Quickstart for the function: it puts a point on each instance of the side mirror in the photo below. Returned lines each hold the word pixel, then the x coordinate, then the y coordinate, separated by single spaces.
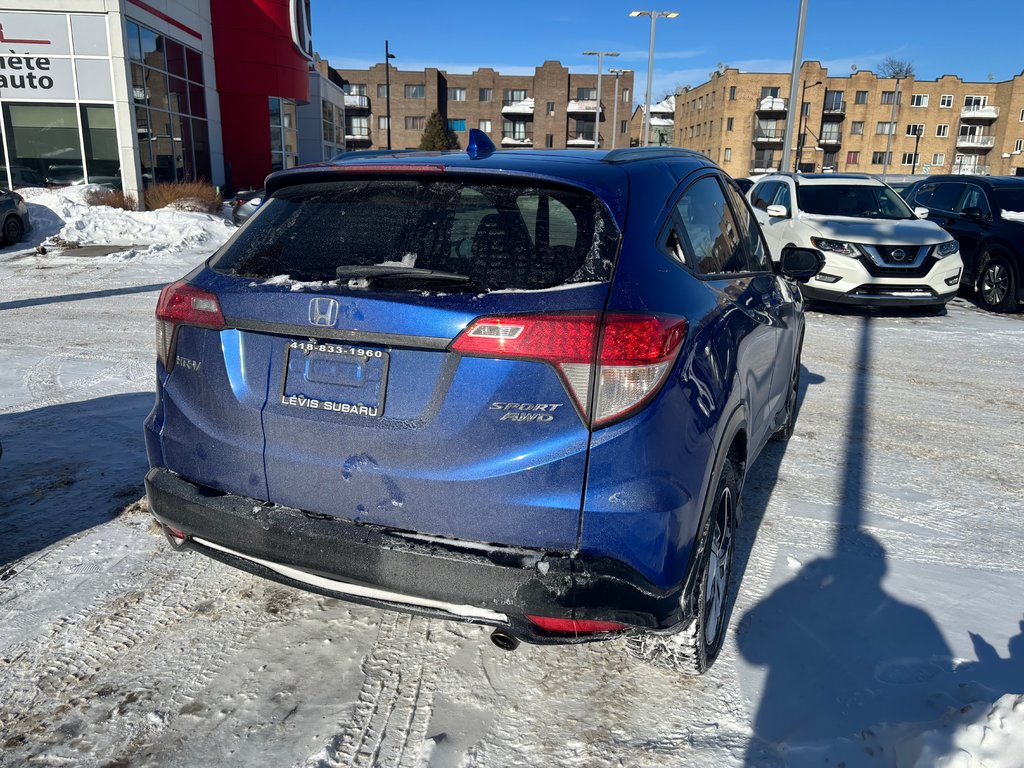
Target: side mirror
pixel 921 212
pixel 778 212
pixel 801 264
pixel 972 213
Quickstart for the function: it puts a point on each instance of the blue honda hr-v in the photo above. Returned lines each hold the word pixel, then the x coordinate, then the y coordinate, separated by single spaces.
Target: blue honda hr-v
pixel 516 388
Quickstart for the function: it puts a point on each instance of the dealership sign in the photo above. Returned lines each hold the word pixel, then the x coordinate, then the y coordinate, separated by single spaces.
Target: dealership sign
pixel 36 61
pixel 302 31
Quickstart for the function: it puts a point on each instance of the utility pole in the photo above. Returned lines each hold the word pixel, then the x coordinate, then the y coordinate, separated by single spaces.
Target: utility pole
pixel 597 109
pixel 892 129
pixel 798 53
pixel 650 66
pixel 917 143
pixel 615 107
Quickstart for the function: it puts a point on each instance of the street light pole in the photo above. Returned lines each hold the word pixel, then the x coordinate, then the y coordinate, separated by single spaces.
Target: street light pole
pixel 798 52
pixel 597 109
pixel 802 125
pixel 917 143
pixel 388 55
pixel 650 66
pixel 892 129
pixel 615 106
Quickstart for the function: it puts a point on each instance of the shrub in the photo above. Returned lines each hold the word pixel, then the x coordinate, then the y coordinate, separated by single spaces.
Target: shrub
pixel 184 195
pixel 112 198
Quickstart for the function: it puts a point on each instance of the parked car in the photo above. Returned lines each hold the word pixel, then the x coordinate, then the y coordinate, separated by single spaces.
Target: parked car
pixel 244 204
pixel 14 217
pixel 877 251
pixel 986 215
pixel 62 175
pixel 519 389
pixel 22 176
pixel 744 184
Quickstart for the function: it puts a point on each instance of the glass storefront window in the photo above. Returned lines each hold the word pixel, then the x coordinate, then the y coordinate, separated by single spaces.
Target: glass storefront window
pixel 152 48
pixel 197 100
pixel 201 145
pixel 177 95
pixel 134 47
pixel 44 138
pixel 100 136
pixel 156 88
pixel 175 58
pixel 194 59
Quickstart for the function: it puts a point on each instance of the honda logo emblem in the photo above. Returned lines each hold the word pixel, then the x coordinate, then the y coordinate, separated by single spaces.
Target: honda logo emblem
pixel 323 311
pixel 302 33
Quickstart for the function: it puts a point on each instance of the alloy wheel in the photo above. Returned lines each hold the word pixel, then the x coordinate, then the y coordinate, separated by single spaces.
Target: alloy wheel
pixel 995 283
pixel 719 559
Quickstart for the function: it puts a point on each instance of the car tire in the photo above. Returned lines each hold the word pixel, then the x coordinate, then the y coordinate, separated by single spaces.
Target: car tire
pixel 13 230
pixel 693 650
pixel 785 432
pixel 996 286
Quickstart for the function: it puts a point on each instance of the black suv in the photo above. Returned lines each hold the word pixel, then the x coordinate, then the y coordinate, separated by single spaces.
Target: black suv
pixel 986 215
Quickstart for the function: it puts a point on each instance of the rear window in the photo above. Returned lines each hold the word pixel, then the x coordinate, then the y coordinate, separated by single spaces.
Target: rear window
pixel 1010 198
pixel 857 200
pixel 493 235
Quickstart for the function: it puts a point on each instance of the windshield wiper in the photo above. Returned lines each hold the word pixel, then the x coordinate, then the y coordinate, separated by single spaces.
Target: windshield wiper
pixel 377 271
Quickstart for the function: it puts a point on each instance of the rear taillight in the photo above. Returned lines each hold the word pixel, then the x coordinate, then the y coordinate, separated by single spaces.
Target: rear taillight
pixel 183 304
pixel 636 353
pixel 575 626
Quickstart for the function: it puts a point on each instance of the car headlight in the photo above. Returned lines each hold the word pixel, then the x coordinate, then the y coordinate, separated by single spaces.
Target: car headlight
pixel 835 246
pixel 942 250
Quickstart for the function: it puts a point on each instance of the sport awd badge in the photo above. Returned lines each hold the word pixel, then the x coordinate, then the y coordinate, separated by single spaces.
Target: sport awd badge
pixel 526 411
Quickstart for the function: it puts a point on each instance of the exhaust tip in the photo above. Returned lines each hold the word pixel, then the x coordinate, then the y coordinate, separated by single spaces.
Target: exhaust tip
pixel 504 640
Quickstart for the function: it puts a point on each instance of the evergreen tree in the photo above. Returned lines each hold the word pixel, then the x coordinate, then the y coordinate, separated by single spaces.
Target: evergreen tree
pixel 436 135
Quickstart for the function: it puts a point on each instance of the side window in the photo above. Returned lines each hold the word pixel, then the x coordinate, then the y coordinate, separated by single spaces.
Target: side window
pixel 946 196
pixel 924 194
pixel 757 259
pixel 783 197
pixel 762 194
pixel 974 197
pixel 710 230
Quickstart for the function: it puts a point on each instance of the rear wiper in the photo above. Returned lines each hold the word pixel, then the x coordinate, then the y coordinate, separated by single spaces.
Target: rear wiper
pixel 376 271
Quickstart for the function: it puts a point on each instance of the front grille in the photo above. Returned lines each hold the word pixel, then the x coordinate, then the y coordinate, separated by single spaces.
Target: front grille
pixel 897 260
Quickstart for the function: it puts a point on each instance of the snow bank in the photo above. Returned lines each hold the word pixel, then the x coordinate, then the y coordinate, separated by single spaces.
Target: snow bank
pixel 63 213
pixel 977 735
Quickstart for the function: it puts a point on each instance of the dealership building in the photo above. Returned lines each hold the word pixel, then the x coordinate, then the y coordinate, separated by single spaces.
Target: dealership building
pixel 127 92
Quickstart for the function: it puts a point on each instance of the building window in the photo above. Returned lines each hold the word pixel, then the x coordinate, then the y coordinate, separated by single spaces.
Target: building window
pixel 975 102
pixel 700 102
pixel 764 159
pixel 829 160
pixel 732 93
pixel 853 158
pixel 1018 145
pixel 884 129
pixel 417 123
pixel 457 124
pixel 382 123
pixel 939 158
pixel 586 94
pixel 728 154
pixel 769 92
pixel 456 94
pixel 880 158
pixel 382 90
pixel 355 89
pixel 857 128
pixel 485 126
pixel 513 96
pixel 625 97
pixel 915 129
pixel 415 91
pixel 919 100
pixel 946 101
pixel 942 130
pixel 861 97
pixel 485 94
pixel 624 126
pixel 549 141
pixel 805 108
pixel 284 135
pixel 909 158
pixel 728 123
pixel 889 97
pixel 551 108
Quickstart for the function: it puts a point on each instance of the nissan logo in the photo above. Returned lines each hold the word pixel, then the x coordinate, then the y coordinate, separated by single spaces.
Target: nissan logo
pixel 323 311
pixel 900 255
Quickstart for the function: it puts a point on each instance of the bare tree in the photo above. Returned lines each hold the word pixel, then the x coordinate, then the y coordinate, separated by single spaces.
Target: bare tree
pixel 893 67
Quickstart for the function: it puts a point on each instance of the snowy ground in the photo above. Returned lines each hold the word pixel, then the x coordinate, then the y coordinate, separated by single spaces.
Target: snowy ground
pixel 879 618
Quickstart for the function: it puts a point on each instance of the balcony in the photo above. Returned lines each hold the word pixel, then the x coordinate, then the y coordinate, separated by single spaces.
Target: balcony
pixel 984 143
pixel 769 135
pixel 830 139
pixel 584 106
pixel 580 138
pixel 771 105
pixel 835 110
pixel 975 170
pixel 521 107
pixel 516 138
pixel 357 133
pixel 979 112
pixel 353 101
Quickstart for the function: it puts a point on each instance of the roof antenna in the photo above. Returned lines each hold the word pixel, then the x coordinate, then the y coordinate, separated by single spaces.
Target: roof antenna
pixel 480 144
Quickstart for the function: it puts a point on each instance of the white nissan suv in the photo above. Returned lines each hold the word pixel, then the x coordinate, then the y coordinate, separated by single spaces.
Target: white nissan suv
pixel 877 251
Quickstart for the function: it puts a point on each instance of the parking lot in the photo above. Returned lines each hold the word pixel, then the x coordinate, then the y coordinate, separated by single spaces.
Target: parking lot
pixel 880 578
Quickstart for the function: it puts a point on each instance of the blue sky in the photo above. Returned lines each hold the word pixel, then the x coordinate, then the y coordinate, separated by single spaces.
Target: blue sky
pixel 970 39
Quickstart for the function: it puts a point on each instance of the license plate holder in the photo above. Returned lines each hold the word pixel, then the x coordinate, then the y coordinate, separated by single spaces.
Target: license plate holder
pixel 338 378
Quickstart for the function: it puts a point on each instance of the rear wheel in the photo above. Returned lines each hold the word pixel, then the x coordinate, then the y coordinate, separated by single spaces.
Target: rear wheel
pixel 997 287
pixel 693 650
pixel 786 430
pixel 13 230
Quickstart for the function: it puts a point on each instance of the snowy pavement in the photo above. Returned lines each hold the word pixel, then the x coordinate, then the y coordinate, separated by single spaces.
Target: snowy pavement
pixel 879 619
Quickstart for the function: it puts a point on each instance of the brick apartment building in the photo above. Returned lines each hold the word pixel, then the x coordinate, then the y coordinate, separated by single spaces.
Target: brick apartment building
pixel 552 108
pixel 738 119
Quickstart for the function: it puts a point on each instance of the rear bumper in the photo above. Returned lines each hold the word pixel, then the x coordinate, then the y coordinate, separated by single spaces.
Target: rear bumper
pixel 468 581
